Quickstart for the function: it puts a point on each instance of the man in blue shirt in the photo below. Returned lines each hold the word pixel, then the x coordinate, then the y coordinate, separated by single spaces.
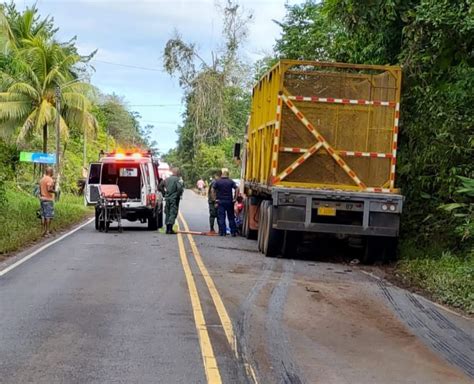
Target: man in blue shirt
pixel 225 192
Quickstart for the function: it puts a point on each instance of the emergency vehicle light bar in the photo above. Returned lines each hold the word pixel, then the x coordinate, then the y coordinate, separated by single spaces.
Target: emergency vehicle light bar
pixel 135 154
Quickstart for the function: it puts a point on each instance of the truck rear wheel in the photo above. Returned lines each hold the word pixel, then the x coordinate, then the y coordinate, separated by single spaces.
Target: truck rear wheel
pixel 248 233
pixel 245 220
pixel 379 249
pixel 290 243
pixel 273 237
pixel 261 224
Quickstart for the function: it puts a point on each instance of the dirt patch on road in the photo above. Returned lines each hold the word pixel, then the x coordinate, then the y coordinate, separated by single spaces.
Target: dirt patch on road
pixel 346 334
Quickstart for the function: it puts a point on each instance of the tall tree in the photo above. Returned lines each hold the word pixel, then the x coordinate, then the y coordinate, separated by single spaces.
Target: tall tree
pixel 28 91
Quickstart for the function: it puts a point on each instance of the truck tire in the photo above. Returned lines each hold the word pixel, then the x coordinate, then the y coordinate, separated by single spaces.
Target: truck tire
pixel 251 233
pixel 245 222
pixel 261 225
pixel 290 243
pixel 273 237
pixel 153 221
pixel 379 249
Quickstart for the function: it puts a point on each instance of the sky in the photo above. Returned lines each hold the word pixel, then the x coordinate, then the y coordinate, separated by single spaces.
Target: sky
pixel 130 37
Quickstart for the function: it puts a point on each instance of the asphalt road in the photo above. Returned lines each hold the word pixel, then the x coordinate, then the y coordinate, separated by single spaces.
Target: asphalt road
pixel 143 307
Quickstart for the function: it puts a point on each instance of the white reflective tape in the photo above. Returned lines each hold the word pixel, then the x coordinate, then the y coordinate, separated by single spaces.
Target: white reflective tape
pixel 396 122
pixel 394 153
pixel 393 168
pixel 395 137
pixel 397 107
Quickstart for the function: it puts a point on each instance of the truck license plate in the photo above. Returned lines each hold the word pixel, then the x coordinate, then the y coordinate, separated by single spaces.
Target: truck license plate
pixel 326 211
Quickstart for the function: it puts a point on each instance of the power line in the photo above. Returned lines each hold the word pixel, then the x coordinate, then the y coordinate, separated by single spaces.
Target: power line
pixel 160 122
pixel 154 105
pixel 128 66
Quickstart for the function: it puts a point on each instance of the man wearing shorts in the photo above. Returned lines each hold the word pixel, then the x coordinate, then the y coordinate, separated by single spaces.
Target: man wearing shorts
pixel 46 187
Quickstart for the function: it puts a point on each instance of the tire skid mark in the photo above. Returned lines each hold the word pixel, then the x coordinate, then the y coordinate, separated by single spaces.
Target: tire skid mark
pixel 440 333
pixel 278 341
pixel 243 323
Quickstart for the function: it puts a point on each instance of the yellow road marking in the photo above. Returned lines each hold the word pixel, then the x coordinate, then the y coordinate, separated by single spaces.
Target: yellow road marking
pixel 210 363
pixel 216 298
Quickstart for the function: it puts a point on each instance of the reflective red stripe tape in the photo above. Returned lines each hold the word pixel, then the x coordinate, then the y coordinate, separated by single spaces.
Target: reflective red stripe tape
pixel 289 103
pixel 299 98
pixel 345 101
pixel 301 161
pixel 352 174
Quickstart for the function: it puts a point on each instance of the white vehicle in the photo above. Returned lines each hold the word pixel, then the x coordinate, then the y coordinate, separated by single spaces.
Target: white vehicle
pixel 136 175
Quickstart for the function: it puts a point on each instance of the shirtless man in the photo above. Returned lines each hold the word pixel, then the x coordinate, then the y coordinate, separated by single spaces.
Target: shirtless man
pixel 46 186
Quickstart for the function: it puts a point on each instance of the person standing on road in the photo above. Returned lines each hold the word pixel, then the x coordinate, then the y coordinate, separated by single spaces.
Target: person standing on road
pixel 225 190
pixel 172 189
pixel 200 186
pixel 46 195
pixel 211 199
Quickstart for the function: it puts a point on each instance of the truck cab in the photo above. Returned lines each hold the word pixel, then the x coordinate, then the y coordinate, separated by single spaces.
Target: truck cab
pixel 136 175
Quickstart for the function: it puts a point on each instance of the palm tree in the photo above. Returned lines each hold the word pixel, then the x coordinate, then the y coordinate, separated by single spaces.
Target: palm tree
pixel 28 97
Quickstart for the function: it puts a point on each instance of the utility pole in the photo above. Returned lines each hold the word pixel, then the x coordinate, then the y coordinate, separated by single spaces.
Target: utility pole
pixel 58 132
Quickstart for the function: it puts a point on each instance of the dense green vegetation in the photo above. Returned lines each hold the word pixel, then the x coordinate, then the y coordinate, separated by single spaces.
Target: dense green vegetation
pixel 34 65
pixel 217 98
pixel 19 224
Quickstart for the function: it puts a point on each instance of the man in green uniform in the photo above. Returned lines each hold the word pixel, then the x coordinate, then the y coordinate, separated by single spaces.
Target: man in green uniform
pixel 211 199
pixel 172 189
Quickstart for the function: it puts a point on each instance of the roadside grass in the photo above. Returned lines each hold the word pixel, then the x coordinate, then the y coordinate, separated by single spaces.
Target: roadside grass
pixel 19 225
pixel 447 277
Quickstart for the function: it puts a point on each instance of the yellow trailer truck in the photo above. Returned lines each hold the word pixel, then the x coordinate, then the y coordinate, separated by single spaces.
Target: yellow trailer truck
pixel 320 156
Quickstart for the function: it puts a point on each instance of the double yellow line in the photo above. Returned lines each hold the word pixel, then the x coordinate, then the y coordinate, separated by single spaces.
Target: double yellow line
pixel 210 362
